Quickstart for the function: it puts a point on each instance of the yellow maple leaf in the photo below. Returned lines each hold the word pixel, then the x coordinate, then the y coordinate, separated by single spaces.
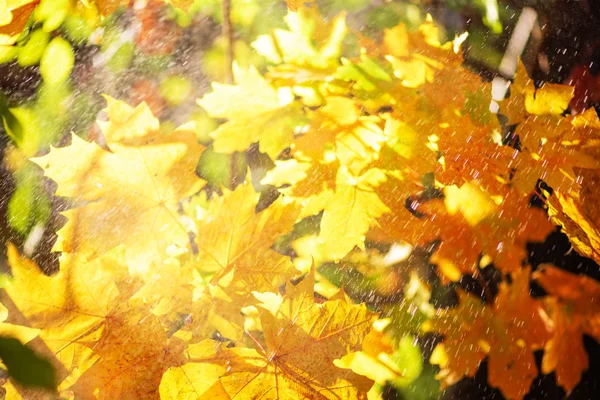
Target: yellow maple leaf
pixel 350 204
pixel 350 211
pixel 255 113
pixel 234 241
pixel 356 139
pixel 301 341
pixel 22 333
pixel 134 353
pixel 374 360
pixel 67 308
pixel 577 214
pixel 128 195
pixel 310 41
pixel 107 347
pixel 525 98
pixel 309 184
pixel 69 305
pixel 192 379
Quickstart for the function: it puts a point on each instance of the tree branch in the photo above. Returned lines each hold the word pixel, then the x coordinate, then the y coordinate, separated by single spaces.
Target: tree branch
pixel 227 29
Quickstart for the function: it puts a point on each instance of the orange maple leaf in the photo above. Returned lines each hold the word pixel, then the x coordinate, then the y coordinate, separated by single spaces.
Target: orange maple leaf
pixel 507 333
pixel 575 311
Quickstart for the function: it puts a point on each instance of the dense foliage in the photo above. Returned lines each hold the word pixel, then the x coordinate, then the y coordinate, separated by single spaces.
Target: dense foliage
pixel 292 234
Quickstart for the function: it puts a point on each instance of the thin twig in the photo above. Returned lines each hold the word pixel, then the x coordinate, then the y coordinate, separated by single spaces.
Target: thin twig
pixel 229 57
pixel 228 34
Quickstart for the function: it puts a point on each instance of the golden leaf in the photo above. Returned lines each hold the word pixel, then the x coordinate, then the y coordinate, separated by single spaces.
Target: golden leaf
pixel 311 41
pixel 350 212
pixel 192 379
pixel 301 341
pixel 128 195
pixel 107 347
pixel 577 214
pixel 255 113
pixel 68 306
pixel 234 242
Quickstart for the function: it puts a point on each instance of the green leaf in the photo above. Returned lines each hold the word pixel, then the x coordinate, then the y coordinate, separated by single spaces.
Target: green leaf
pixel 409 359
pixel 425 387
pixel 11 123
pixel 29 204
pixel 25 366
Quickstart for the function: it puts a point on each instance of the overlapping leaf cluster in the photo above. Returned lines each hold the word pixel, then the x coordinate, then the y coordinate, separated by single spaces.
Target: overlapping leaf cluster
pixel 398 144
pixel 165 291
pixel 136 298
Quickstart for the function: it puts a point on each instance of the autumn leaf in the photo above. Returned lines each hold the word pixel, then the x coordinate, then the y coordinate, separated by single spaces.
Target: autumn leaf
pixel 552 146
pixel 128 124
pixel 310 185
pixel 405 53
pixel 192 379
pixel 255 113
pixel 505 233
pixel 574 311
pixel 412 145
pixel 352 209
pixel 577 214
pixel 549 99
pixel 128 195
pixel 556 148
pixel 356 140
pixel 67 306
pixel 134 353
pixel 311 42
pixel 463 328
pixel 375 358
pixel 13 17
pixel 71 309
pixel 92 330
pixel 467 224
pixel 234 241
pixel 301 341
pixel 369 75
pixel 507 333
pixel 499 231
